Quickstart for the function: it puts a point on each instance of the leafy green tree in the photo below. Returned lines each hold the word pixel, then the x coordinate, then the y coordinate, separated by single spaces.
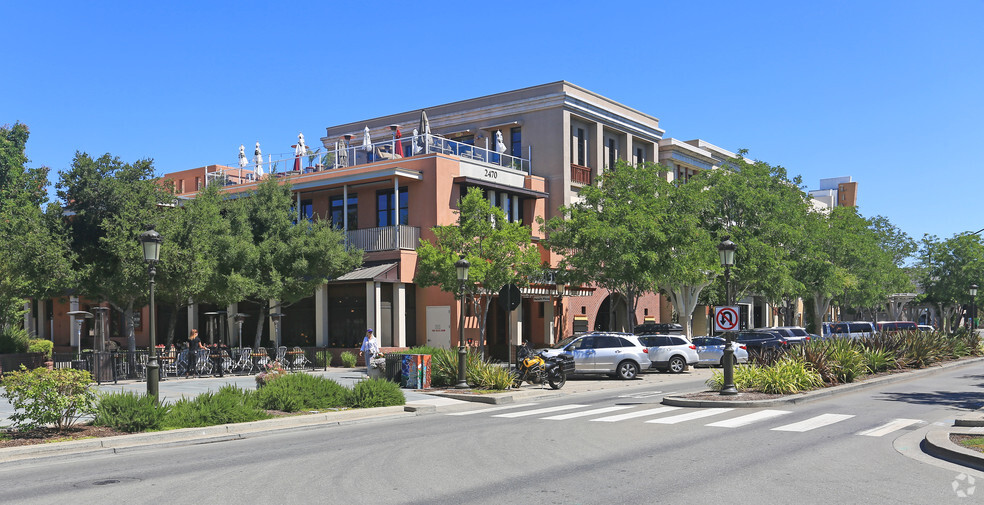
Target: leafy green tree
pixel 277 256
pixel 946 270
pixel 499 252
pixel 615 236
pixel 34 262
pixel 110 203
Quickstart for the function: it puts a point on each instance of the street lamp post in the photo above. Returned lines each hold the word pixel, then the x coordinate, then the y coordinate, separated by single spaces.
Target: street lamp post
pixel 561 289
pixel 973 307
pixel 727 250
pixel 151 241
pixel 461 266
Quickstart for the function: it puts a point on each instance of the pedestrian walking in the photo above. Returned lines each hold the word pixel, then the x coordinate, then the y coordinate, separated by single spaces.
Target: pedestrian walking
pixel 193 345
pixel 370 348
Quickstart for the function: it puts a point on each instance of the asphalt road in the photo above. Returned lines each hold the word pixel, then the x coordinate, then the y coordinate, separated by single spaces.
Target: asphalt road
pixel 594 447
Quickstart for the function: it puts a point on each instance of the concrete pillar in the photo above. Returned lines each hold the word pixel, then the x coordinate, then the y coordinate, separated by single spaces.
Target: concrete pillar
pixel 73 305
pixel 596 148
pixel 549 328
pixel 400 314
pixel 515 208
pixel 321 315
pixel 372 304
pixel 192 317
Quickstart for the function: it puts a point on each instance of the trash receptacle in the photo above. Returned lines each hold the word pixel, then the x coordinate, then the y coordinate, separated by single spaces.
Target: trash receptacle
pixel 393 365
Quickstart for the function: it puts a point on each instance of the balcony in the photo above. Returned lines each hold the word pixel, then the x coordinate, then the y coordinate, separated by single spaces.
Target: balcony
pixel 384 238
pixel 282 165
pixel 580 174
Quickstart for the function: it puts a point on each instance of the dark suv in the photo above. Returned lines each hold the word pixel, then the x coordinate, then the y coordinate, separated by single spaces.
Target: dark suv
pixel 762 342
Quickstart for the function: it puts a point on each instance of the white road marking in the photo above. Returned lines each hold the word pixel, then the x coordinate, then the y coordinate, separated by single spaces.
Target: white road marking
pixel 646 394
pixel 585 413
pixel 633 415
pixel 541 411
pixel 492 409
pixel 689 416
pixel 749 418
pixel 814 422
pixel 889 427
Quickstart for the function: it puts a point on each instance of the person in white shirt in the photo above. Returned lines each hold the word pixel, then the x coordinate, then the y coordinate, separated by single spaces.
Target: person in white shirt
pixel 370 348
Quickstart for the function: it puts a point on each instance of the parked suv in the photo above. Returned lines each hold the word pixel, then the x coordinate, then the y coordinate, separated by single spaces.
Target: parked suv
pixel 670 353
pixel 764 343
pixel 851 329
pixel 793 334
pixel 619 354
pixel 710 350
pixel 894 326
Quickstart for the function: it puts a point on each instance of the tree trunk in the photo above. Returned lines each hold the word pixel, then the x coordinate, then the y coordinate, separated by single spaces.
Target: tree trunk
pixel 821 304
pixel 684 299
pixel 172 324
pixel 259 325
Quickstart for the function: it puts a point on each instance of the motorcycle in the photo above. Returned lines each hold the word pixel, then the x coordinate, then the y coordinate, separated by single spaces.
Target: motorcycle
pixel 537 368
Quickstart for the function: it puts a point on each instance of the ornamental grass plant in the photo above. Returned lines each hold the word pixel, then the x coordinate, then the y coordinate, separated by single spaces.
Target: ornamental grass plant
pixel 300 391
pixel 377 393
pixel 130 412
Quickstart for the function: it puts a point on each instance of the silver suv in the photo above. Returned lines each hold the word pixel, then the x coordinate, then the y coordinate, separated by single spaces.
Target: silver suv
pixel 619 354
pixel 670 353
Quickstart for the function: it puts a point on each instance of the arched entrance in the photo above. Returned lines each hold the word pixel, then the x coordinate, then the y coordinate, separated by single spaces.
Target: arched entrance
pixel 603 319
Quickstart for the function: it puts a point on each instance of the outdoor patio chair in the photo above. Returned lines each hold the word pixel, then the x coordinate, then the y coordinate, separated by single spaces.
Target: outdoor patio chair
pixel 300 360
pixel 262 358
pixel 281 355
pixel 243 360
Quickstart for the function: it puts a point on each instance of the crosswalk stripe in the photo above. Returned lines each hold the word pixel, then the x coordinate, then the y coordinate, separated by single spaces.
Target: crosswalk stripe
pixel 541 411
pixel 749 418
pixel 492 409
pixel 889 427
pixel 633 415
pixel 585 413
pixel 814 422
pixel 689 416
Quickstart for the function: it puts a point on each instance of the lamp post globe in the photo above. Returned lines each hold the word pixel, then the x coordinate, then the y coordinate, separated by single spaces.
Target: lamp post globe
pixel 461 268
pixel 151 241
pixel 727 251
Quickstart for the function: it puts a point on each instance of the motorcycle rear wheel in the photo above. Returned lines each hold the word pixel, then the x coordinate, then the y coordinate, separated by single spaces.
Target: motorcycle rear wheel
pixel 557 378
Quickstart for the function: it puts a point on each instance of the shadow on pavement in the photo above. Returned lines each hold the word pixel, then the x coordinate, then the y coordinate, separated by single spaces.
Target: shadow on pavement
pixel 962 400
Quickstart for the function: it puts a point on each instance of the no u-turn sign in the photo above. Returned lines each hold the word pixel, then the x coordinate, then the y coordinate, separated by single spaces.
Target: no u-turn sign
pixel 726 318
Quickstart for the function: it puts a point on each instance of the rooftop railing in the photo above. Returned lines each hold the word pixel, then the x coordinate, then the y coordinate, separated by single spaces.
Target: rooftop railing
pixel 351 155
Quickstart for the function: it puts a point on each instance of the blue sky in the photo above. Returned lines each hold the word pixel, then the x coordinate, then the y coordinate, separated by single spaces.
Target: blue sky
pixel 890 93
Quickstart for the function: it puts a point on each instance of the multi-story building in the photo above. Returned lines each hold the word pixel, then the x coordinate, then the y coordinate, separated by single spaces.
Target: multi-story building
pixel 835 192
pixel 386 185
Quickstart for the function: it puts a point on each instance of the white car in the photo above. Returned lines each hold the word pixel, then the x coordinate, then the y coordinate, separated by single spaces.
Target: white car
pixel 670 353
pixel 619 354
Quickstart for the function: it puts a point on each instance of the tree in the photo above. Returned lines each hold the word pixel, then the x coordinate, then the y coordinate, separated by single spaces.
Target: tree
pixel 614 235
pixel 196 237
pixel 279 256
pixel 947 268
pixel 34 263
pixel 500 253
pixel 110 203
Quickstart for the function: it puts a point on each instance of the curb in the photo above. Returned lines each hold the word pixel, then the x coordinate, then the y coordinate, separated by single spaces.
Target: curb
pixel 205 435
pixel 937 444
pixel 679 401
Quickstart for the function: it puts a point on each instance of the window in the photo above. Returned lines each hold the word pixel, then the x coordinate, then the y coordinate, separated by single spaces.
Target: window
pixel 612 153
pixel 684 174
pixel 181 186
pixel 338 210
pixel 198 183
pixel 581 147
pixel 307 209
pixel 386 209
pixel 640 156
pixel 516 142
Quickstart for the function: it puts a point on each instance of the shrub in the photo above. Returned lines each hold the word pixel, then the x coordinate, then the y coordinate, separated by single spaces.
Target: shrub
pixel 878 360
pixel 300 391
pixel 43 397
pixel 788 375
pixel 130 412
pixel 41 345
pixel 444 366
pixel 229 405
pixel 847 362
pixel 271 372
pixel 816 354
pixel 377 393
pixel 13 340
pixel 744 377
pixel 487 375
pixel 348 359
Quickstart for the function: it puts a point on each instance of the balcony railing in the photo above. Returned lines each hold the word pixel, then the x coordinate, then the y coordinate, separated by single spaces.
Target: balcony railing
pixel 385 238
pixel 580 174
pixel 342 156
